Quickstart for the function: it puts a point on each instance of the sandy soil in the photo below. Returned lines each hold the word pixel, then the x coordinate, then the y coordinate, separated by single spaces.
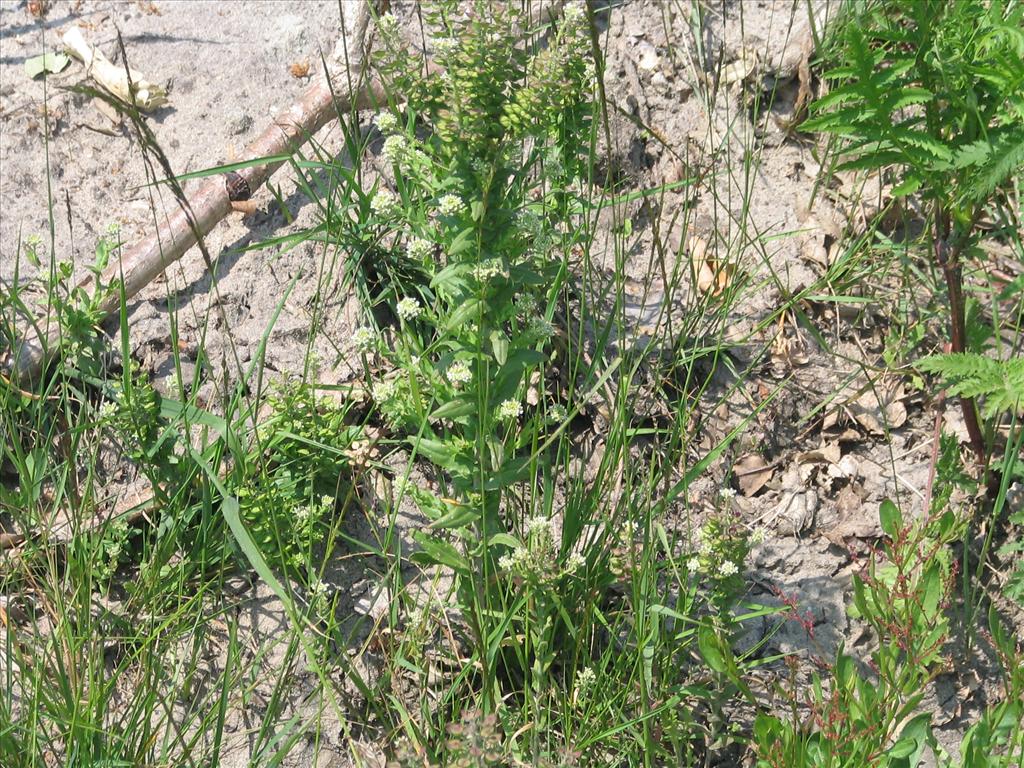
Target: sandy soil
pixel 229 64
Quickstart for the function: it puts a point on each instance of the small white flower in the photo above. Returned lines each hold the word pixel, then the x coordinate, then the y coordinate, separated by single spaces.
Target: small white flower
pixel 757 536
pixel 386 122
pixel 387 26
pixel 459 374
pixel 107 411
pixel 510 409
pixel 541 526
pixel 574 14
pixel 385 203
pixel 575 563
pixel 727 569
pixel 395 149
pixel 585 680
pixel 727 494
pixel 444 46
pixel 693 564
pixel 305 514
pixel 409 309
pixel 526 304
pixel 516 560
pixel 629 531
pixel 449 205
pixel 485 270
pixel 541 327
pixel 419 249
pixel 382 391
pixel 364 338
pixel 557 413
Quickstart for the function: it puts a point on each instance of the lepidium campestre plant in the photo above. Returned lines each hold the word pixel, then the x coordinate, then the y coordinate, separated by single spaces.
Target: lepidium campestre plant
pixel 474 220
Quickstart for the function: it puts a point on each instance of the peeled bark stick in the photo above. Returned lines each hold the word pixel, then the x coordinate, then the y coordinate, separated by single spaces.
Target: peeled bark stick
pixel 211 203
pixel 127 84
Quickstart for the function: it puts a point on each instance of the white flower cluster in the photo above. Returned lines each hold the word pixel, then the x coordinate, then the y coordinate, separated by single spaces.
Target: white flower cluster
pixel 445 46
pixel 383 391
pixel 107 411
pixel 459 374
pixel 526 304
pixel 419 249
pixel 365 338
pixel 395 149
pixel 385 203
pixel 386 122
pixel 509 410
pixel 586 678
pixel 409 309
pixel 387 27
pixel 485 270
pixel 540 327
pixel 575 14
pixel 537 559
pixel 557 414
pixel 727 568
pixel 361 453
pixel 449 205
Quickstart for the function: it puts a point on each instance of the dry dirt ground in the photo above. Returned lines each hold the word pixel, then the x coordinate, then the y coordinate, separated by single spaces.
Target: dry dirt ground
pixel 229 62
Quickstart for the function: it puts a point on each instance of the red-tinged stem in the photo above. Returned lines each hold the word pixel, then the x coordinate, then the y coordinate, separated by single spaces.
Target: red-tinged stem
pixel 948 258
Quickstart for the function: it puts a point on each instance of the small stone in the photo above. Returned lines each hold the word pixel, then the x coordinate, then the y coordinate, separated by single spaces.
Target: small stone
pixel 648 59
pixel 241 124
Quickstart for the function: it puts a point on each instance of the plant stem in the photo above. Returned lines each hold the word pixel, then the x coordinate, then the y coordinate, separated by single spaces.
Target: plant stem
pixel 948 258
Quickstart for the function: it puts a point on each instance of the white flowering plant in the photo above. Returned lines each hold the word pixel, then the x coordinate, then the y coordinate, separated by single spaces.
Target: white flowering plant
pixel 474 218
pixel 470 221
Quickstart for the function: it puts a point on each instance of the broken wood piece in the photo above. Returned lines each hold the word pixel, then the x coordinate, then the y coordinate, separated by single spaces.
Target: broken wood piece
pixel 125 83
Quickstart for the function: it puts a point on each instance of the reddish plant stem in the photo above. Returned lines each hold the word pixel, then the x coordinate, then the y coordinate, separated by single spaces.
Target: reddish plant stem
pixel 948 258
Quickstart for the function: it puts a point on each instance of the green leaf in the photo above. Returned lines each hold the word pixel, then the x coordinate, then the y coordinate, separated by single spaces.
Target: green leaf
pixel 437 451
pixel 908 186
pixel 499 345
pixel 462 315
pixel 914 737
pixel 891 519
pixel 436 552
pixel 230 510
pixel 459 516
pixel 454 409
pixel 48 62
pixel 712 649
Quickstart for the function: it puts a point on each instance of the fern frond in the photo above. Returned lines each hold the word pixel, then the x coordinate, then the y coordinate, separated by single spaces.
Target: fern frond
pixel 1005 157
pixel 1000 383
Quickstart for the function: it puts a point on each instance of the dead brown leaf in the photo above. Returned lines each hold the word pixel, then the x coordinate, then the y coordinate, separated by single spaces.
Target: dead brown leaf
pixel 752 473
pixel 880 408
pixel 828 453
pixel 713 276
pixel 299 69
